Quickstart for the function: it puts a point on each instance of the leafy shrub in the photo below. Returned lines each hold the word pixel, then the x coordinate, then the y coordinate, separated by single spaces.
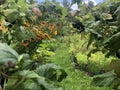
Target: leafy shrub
pixel 98 62
pixel 24 72
pixel 81 58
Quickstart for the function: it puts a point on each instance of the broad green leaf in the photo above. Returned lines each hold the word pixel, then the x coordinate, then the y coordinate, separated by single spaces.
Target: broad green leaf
pixel 28 74
pixel 7 54
pixel 11 14
pixel 44 84
pixel 50 71
pixel 25 62
pixel 107 79
pixel 31 80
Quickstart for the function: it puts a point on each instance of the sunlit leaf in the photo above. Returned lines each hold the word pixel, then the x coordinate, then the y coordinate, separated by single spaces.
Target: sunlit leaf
pixel 106 16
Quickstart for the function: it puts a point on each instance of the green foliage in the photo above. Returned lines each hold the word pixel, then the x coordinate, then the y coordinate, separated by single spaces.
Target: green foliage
pixel 104 36
pixel 107 79
pixel 23 28
pixel 52 9
pixel 90 4
pixel 11 14
pixel 45 50
pixel 76 1
pixel 27 74
pixel 112 43
pixel 105 32
pixel 31 80
pixel 23 71
pixel 98 63
pixel 95 64
pixel 14 13
pixel 106 16
pixel 76 79
pixel 65 3
pixel 7 55
pixel 81 58
pixel 50 71
pixel 115 65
